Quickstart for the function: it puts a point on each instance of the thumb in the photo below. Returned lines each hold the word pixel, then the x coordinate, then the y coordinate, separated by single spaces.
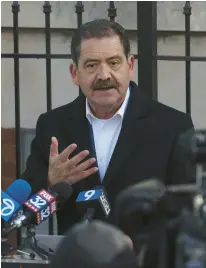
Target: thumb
pixel 54 147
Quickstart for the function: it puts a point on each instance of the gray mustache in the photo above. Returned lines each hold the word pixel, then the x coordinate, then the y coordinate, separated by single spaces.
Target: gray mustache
pixel 104 85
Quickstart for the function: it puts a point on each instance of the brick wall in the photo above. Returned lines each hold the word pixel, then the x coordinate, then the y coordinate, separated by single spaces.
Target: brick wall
pixel 8 164
pixel 8 157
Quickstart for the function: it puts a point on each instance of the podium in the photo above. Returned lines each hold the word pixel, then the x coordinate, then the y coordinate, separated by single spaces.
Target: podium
pixel 21 260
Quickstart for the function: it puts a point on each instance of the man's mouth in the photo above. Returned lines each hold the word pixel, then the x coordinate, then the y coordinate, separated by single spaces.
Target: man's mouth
pixel 104 88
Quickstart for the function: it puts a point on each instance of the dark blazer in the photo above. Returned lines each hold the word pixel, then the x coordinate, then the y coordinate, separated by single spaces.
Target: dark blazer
pixel 147 147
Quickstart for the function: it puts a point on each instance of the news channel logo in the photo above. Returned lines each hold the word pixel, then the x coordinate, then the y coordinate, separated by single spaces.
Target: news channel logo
pixel 36 203
pixel 89 195
pixel 8 206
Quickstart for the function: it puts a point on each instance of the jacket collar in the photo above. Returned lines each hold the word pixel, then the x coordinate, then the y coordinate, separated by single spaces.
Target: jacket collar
pixel 139 104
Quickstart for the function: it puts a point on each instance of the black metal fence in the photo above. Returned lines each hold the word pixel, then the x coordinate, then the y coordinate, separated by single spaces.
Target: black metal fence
pixel 147 56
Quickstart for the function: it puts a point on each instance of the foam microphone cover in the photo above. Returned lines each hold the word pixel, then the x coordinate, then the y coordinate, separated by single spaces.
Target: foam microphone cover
pixel 19 190
pixel 193 144
pixel 63 191
pixel 137 207
pixel 151 191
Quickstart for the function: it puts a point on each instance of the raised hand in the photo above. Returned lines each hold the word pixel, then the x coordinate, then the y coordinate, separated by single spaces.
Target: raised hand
pixel 64 168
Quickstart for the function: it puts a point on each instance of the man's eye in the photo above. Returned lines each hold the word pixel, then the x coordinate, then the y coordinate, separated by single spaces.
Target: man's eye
pixel 91 65
pixel 114 63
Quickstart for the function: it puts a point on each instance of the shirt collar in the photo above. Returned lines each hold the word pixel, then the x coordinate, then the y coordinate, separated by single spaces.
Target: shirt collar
pixel 120 112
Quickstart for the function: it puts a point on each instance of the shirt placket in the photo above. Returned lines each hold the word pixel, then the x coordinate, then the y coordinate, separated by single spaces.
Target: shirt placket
pixel 102 148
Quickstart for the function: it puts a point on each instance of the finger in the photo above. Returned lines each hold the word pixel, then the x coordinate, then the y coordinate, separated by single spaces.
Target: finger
pixel 82 175
pixel 64 155
pixel 83 166
pixel 77 158
pixel 54 147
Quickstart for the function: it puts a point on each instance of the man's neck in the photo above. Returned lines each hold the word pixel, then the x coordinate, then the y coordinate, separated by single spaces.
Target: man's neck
pixel 104 113
pixel 107 112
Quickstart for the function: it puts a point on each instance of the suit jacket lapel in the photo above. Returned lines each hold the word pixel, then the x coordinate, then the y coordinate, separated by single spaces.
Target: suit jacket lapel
pixel 131 134
pixel 80 135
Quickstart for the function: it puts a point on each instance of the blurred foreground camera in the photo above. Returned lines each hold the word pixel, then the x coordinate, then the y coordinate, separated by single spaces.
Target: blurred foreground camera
pixel 161 237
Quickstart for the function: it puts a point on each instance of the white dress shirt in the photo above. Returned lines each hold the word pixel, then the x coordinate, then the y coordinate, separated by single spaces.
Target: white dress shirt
pixel 106 133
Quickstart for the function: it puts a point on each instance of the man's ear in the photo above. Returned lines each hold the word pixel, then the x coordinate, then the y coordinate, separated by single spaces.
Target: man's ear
pixel 74 75
pixel 131 61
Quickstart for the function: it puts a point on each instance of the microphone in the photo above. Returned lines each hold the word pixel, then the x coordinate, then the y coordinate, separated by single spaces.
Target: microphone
pixel 93 201
pixel 142 202
pixel 13 198
pixel 193 143
pixel 40 206
pixel 152 190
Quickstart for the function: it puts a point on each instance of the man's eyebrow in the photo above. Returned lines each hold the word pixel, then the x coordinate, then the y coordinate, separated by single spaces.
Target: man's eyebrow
pixel 90 60
pixel 114 57
pixel 97 60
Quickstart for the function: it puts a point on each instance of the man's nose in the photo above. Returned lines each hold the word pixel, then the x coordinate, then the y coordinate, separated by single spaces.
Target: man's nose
pixel 104 72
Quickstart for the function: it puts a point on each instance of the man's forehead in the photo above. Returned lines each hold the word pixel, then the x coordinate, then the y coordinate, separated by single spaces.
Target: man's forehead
pixel 104 47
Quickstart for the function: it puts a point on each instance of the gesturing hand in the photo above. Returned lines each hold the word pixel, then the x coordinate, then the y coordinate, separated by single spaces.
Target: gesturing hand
pixel 64 168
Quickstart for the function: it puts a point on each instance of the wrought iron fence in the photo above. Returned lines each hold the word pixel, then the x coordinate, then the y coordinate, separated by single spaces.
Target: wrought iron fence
pixel 147 56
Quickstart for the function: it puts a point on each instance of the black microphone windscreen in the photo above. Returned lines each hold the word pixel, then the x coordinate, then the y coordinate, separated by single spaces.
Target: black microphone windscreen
pixel 64 191
pixel 151 189
pixel 193 143
pixel 136 206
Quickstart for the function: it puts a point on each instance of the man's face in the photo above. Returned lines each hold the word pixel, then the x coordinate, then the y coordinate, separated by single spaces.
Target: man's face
pixel 103 72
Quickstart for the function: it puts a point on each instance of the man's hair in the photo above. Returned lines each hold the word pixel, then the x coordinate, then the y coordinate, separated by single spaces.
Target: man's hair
pixel 99 28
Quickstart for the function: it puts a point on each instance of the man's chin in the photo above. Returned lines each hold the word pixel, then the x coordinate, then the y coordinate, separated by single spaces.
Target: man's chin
pixel 106 105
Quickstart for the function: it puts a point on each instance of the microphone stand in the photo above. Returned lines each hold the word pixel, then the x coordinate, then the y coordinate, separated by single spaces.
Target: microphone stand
pixel 88 216
pixel 30 242
pixel 5 247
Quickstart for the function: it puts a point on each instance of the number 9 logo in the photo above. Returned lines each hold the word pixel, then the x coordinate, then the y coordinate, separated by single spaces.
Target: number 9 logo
pixel 89 194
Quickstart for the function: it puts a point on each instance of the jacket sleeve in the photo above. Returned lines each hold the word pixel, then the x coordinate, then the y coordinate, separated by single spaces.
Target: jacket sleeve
pixel 36 172
pixel 181 168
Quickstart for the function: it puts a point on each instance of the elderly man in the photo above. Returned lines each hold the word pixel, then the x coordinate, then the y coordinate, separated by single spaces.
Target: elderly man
pixel 112 134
